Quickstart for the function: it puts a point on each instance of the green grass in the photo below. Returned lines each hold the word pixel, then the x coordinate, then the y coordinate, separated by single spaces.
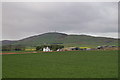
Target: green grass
pixel 69 64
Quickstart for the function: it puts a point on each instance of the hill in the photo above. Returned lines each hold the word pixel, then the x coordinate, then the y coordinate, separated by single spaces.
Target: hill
pixel 64 39
pixel 7 42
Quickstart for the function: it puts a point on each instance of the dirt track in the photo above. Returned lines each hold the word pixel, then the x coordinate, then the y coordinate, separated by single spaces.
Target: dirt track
pixel 9 53
pixel 18 53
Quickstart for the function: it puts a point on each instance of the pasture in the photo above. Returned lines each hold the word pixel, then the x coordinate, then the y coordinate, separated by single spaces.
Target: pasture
pixel 67 64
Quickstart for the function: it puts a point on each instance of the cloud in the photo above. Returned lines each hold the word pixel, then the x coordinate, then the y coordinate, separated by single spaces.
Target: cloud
pixel 21 19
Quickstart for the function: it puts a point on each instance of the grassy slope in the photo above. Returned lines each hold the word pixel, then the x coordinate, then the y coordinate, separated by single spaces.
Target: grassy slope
pixel 67 40
pixel 69 64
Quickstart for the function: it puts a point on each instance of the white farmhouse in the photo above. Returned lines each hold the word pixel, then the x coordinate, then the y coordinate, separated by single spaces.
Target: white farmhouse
pixel 46 49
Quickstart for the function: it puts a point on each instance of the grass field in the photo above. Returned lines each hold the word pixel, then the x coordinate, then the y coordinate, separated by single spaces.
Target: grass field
pixel 68 64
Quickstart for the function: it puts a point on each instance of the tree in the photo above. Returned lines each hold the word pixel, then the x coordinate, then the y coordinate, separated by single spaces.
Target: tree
pixel 19 48
pixel 55 47
pixel 38 48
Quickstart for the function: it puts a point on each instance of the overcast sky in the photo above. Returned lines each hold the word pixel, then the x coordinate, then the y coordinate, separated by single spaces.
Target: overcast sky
pixel 24 19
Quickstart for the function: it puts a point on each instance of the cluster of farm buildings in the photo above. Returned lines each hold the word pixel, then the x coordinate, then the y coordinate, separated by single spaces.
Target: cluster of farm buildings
pixel 105 47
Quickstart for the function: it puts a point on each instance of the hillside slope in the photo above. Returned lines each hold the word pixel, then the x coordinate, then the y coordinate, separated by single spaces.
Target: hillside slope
pixel 64 39
pixel 7 42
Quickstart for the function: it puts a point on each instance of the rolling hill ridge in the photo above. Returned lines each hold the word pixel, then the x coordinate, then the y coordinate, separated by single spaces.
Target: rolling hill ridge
pixel 64 39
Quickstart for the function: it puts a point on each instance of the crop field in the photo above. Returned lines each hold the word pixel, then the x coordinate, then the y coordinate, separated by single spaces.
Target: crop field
pixel 67 64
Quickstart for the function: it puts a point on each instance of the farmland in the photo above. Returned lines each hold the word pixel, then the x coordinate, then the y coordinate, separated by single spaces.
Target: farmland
pixel 67 64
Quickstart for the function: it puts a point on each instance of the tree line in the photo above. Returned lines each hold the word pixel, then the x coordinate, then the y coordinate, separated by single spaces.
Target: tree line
pixel 22 48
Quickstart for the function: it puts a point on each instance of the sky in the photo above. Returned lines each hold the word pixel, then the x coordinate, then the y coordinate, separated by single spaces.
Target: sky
pixel 25 19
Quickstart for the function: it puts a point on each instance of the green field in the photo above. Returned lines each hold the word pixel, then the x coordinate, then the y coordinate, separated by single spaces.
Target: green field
pixel 68 64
